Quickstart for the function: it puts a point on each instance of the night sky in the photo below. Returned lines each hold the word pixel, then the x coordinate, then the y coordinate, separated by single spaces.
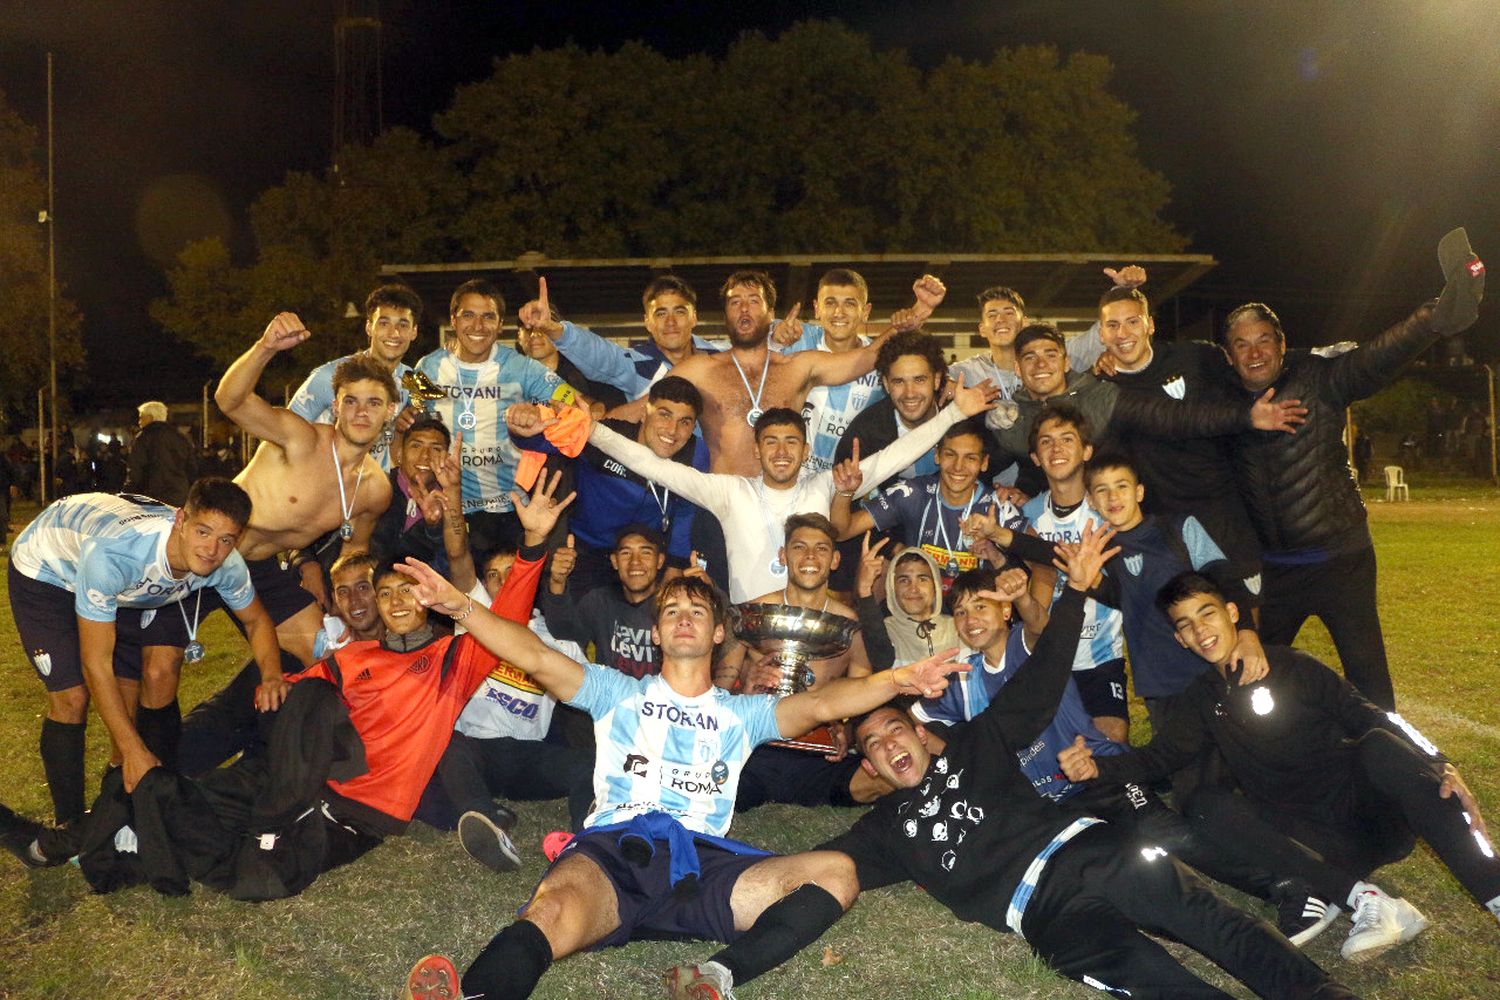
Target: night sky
pixel 1317 149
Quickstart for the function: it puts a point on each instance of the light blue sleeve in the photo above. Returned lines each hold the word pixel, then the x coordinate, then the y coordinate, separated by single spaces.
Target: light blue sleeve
pixel 1085 349
pixel 758 713
pixel 602 361
pixel 812 337
pixel 602 689
pixel 1201 547
pixel 314 397
pixel 100 578
pixel 538 383
pixel 232 581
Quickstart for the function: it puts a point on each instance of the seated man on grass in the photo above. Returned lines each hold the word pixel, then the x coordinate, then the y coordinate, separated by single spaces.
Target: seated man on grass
pixel 1321 769
pixel 653 860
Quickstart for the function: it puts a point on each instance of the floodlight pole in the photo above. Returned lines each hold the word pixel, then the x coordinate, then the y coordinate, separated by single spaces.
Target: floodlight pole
pixel 51 274
pixel 41 446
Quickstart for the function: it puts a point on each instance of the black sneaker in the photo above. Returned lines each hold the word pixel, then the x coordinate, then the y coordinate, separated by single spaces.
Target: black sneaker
pixel 487 843
pixel 1300 915
pixel 18 835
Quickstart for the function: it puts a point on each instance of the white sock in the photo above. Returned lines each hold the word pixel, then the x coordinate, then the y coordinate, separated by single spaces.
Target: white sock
pixel 728 976
pixel 1494 907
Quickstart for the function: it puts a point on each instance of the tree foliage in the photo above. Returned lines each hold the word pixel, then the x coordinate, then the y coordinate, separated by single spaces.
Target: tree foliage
pixel 23 274
pixel 813 141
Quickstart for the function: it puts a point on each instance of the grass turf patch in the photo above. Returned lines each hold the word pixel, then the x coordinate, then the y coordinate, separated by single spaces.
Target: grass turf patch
pixel 355 932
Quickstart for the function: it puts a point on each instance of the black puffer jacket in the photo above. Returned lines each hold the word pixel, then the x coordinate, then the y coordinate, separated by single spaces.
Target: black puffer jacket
pixel 1298 487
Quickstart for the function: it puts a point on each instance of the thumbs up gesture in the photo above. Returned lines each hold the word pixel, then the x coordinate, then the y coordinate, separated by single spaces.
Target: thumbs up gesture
pixel 1077 761
pixel 563 561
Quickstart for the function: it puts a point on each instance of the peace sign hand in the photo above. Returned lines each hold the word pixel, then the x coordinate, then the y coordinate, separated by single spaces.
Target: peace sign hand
pixel 871 566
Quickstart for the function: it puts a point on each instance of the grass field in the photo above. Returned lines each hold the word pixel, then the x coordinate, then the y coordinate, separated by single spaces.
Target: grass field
pixel 354 933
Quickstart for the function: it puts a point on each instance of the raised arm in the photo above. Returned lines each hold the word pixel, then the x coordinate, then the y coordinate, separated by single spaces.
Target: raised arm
pixel 597 358
pixel 237 398
pixel 827 368
pixel 849 696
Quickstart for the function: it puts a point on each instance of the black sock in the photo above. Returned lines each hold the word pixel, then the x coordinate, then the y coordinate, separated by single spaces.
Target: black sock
pixel 161 730
pixel 511 964
pixel 786 927
pixel 62 761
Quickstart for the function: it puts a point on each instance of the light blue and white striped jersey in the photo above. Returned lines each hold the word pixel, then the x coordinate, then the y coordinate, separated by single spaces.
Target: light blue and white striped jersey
pixel 659 751
pixel 111 551
pixel 477 395
pixel 1083 351
pixel 829 408
pixel 313 402
pixel 1101 639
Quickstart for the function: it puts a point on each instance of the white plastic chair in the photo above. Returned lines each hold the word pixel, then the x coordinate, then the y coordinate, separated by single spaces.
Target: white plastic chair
pixel 1395 483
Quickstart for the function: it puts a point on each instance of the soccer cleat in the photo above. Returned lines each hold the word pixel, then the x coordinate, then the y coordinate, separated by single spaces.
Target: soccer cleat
pixel 432 978
pixel 1377 926
pixel 28 840
pixel 554 843
pixel 1300 915
pixel 710 981
pixel 487 843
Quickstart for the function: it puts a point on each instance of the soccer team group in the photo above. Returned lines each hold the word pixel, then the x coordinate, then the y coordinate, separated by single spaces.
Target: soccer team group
pixel 500 575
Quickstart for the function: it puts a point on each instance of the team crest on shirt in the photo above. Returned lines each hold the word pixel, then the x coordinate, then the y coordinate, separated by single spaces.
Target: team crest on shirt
pixel 43 661
pixel 1252 583
pixel 1134 563
pixel 423 664
pixel 719 772
pixel 899 488
pixel 1176 387
pixel 96 598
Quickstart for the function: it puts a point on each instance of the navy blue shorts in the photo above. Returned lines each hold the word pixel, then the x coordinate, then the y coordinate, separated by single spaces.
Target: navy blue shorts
pixel 1103 689
pixel 648 909
pixel 47 623
pixel 280 591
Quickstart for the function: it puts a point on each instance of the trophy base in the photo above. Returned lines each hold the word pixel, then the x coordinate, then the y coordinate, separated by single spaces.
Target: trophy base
pixel 819 740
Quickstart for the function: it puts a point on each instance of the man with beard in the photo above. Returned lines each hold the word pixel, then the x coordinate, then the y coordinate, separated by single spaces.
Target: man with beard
pixel 750 378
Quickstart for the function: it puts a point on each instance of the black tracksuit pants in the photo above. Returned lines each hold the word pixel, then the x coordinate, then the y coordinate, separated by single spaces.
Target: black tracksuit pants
pixel 1100 891
pixel 1340 591
pixel 473 771
pixel 1370 819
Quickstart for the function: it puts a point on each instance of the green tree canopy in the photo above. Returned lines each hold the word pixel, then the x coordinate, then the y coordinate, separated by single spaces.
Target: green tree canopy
pixel 23 273
pixel 813 141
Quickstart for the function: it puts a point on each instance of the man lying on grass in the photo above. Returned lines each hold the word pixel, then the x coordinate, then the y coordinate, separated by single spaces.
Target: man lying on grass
pixel 966 825
pixel 1319 765
pixel 652 860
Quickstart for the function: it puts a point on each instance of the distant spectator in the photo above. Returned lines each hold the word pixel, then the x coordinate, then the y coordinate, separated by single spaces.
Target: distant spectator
pixel 162 463
pixel 1364 452
pixel 111 470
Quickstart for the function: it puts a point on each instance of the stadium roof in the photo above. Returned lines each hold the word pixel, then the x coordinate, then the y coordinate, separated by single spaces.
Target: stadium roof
pixel 605 294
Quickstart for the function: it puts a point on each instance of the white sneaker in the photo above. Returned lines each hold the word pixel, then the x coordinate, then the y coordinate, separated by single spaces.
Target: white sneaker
pixel 487 843
pixel 1412 920
pixel 1378 925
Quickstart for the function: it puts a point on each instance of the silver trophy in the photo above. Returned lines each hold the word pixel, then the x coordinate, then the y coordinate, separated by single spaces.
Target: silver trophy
pixel 794 637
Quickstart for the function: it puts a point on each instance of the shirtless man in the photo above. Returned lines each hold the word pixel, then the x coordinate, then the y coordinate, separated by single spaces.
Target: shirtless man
pixel 776 773
pixel 740 384
pixel 306 479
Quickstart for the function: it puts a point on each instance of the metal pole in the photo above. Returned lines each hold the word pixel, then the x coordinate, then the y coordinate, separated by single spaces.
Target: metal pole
pixel 1490 374
pixel 41 446
pixel 51 273
pixel 205 411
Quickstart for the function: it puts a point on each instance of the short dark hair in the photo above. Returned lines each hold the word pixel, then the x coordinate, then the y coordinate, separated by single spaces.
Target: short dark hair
pixel 692 586
pixel 430 422
pixel 221 496
pixel 1252 311
pixel 676 389
pixel 1001 292
pixel 363 368
pixel 665 283
pixel 916 343
pixel 913 555
pixel 645 531
pixel 901 704
pixel 845 276
pixel 354 560
pixel 1185 585
pixel 396 296
pixel 1104 461
pixel 810 519
pixel 776 416
pixel 1062 411
pixel 477 286
pixel 760 279
pixel 1039 331
pixel 490 555
pixel 970 582
pixel 1120 293
pixel 969 426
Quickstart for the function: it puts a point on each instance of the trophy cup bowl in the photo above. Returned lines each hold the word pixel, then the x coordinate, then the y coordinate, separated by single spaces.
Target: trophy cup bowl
pixel 793 637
